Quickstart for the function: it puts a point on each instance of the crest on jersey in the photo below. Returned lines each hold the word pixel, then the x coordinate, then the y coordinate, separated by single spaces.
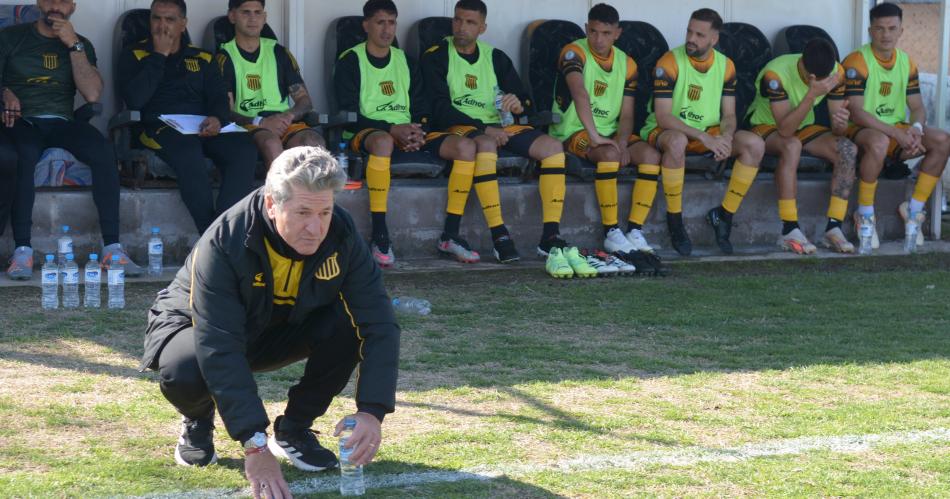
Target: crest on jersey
pixel 329 270
pixel 192 65
pixel 600 88
pixel 885 89
pixel 254 82
pixel 387 88
pixel 50 61
pixel 694 92
pixel 471 82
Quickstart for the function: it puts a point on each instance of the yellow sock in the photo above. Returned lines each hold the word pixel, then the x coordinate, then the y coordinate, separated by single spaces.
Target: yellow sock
pixel 742 178
pixel 644 192
pixel 605 184
pixel 551 185
pixel 866 193
pixel 837 208
pixel 788 210
pixel 925 187
pixel 486 186
pixel 460 183
pixel 378 181
pixel 673 188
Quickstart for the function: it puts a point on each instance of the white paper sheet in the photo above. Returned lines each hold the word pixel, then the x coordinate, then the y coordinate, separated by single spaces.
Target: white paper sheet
pixel 190 124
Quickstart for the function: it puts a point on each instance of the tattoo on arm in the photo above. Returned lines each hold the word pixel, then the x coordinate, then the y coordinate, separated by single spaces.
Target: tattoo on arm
pixel 843 177
pixel 302 103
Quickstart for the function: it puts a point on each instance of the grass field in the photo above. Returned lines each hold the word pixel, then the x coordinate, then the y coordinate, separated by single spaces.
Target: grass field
pixel 805 378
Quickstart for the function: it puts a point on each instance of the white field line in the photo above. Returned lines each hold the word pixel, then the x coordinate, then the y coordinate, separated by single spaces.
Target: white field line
pixel 633 461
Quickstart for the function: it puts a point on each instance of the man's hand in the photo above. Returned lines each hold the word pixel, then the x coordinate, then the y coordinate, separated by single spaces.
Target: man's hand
pixel 65 31
pixel 409 137
pixel 278 123
pixel 624 152
pixel 499 134
pixel 366 437
pixel 163 42
pixel 721 147
pixel 917 142
pixel 511 103
pixel 841 117
pixel 597 140
pixel 264 474
pixel 11 108
pixel 817 87
pixel 210 127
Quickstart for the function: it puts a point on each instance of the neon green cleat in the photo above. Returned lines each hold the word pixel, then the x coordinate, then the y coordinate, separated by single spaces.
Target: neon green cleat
pixel 578 263
pixel 557 265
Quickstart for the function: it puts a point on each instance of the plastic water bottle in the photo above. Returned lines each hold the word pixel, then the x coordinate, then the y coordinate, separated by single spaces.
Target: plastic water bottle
pixel 50 276
pixel 116 283
pixel 506 117
pixel 70 273
pixel 155 248
pixel 351 476
pixel 343 159
pixel 866 232
pixel 910 236
pixel 64 245
pixel 410 305
pixel 93 282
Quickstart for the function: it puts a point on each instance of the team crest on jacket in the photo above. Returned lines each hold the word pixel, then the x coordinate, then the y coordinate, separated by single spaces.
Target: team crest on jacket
pixel 471 82
pixel 330 269
pixel 259 281
pixel 192 65
pixel 50 61
pixel 254 82
pixel 695 92
pixel 600 88
pixel 387 88
pixel 885 89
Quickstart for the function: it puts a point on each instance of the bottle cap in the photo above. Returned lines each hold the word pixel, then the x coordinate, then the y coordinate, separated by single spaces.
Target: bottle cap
pixel 349 423
pixel 49 258
pixel 69 257
pixel 65 228
pixel 155 230
pixel 115 258
pixel 93 256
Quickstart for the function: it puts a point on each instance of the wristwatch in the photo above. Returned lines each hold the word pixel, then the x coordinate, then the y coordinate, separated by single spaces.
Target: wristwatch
pixel 78 47
pixel 257 443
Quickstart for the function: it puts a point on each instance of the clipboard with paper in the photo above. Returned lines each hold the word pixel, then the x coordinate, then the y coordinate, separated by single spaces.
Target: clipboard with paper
pixel 190 124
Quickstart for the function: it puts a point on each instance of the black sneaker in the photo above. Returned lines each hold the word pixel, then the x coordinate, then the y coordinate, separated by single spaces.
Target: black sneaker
pixel 301 448
pixel 646 262
pixel 505 251
pixel 722 229
pixel 545 246
pixel 678 235
pixel 196 443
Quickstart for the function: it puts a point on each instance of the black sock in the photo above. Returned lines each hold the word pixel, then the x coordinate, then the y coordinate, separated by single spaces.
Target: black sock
pixel 379 226
pixel 833 224
pixel 633 226
pixel 452 223
pixel 725 215
pixel 551 229
pixel 499 232
pixel 788 227
pixel 608 228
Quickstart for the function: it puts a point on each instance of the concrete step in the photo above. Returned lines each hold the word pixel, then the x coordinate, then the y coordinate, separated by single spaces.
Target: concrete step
pixel 417 213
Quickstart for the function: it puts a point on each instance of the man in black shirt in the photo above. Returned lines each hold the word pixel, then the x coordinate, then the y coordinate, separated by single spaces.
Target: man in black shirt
pixel 43 65
pixel 262 78
pixel 161 75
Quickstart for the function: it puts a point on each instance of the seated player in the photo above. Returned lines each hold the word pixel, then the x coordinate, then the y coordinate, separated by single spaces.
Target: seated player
pixel 882 85
pixel 788 89
pixel 694 111
pixel 262 79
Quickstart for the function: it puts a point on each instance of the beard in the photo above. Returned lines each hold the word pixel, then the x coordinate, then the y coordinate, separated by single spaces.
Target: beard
pixel 49 16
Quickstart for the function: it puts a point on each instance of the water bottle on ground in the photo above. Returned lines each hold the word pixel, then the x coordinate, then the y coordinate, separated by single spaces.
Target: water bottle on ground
pixel 92 278
pixel 410 305
pixel 64 245
pixel 910 236
pixel 506 117
pixel 343 159
pixel 70 274
pixel 116 283
pixel 351 476
pixel 155 249
pixel 50 276
pixel 866 231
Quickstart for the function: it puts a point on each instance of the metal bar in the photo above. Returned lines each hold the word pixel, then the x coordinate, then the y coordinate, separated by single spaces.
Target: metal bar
pixel 295 23
pixel 936 200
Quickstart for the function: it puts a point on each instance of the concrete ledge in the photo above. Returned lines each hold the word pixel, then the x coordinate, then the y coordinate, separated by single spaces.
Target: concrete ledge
pixel 416 215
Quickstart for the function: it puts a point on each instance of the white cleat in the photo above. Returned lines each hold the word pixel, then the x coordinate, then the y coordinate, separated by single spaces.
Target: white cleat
pixel 617 242
pixel 635 236
pixel 834 240
pixel 796 242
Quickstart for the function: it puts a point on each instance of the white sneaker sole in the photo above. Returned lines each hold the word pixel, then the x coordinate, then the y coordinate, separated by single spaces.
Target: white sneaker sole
pixel 279 451
pixel 181 461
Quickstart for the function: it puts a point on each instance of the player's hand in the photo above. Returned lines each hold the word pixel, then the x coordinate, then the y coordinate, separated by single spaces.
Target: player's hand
pixel 511 103
pixel 163 42
pixel 818 88
pixel 499 134
pixel 409 137
pixel 366 438
pixel 264 474
pixel 918 141
pixel 63 29
pixel 841 117
pixel 718 146
pixel 210 127
pixel 11 108
pixel 597 140
pixel 624 152
pixel 277 123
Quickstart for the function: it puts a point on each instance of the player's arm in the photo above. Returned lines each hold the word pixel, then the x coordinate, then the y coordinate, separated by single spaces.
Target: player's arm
pixel 296 88
pixel 788 119
pixel 86 76
pixel 918 113
pixel 838 106
pixel 516 97
pixel 728 122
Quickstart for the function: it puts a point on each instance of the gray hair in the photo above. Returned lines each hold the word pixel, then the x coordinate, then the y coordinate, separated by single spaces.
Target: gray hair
pixel 310 168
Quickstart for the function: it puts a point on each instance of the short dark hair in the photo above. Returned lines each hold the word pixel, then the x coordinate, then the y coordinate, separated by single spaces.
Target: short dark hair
pixel 887 10
pixel 373 6
pixel 177 3
pixel 233 4
pixel 708 15
pixel 604 13
pixel 476 5
pixel 819 57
